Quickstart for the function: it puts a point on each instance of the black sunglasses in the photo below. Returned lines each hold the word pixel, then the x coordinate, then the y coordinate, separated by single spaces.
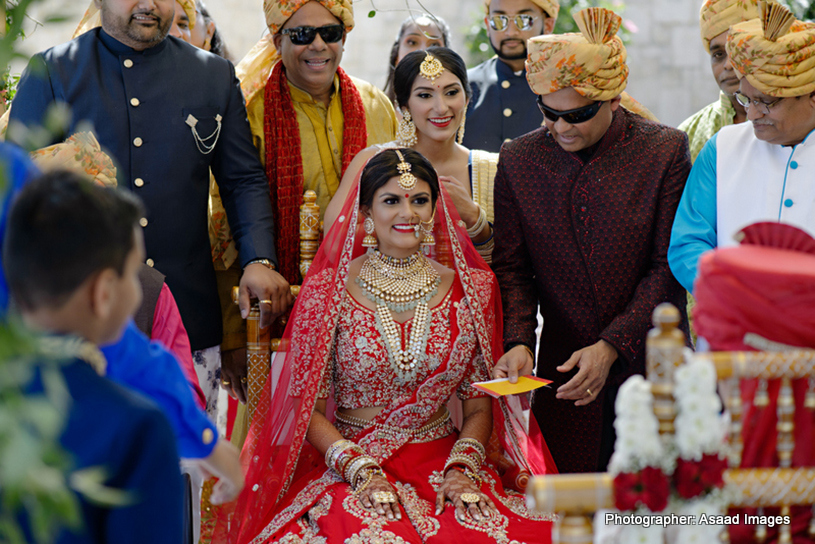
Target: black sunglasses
pixel 573 117
pixel 304 35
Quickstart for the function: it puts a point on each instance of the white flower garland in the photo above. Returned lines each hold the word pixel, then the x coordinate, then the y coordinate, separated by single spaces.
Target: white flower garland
pixel 638 443
pixel 700 430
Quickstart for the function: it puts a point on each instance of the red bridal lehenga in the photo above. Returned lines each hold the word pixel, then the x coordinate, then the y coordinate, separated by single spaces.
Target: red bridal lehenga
pixel 334 350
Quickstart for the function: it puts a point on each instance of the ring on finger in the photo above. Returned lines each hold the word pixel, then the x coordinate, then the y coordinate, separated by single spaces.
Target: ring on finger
pixel 383 497
pixel 243 379
pixel 265 301
pixel 225 382
pixel 470 498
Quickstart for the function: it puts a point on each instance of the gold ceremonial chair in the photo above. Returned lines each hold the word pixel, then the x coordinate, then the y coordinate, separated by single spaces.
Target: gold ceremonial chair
pixel 576 497
pixel 259 343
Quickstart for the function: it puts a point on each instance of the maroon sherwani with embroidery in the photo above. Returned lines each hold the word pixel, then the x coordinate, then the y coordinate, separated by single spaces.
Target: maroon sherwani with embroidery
pixel 586 235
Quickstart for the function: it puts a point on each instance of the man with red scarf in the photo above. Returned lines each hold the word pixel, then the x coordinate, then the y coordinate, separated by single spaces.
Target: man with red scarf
pixel 308 117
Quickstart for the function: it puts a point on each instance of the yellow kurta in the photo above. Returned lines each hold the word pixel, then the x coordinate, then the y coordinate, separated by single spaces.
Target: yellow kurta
pixel 321 130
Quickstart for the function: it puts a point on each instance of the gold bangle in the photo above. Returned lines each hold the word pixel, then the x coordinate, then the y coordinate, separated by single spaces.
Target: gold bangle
pixel 461 443
pixel 479 224
pixel 528 350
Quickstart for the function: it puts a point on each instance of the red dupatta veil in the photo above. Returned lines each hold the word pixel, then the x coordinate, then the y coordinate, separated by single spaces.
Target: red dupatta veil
pixel 278 460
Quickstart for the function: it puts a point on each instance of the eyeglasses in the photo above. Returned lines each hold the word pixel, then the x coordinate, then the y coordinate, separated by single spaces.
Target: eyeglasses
pixel 500 23
pixel 304 35
pixel 573 117
pixel 763 107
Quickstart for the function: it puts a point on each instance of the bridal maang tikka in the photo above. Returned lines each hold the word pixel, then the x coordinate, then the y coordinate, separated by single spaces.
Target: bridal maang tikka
pixel 431 68
pixel 407 181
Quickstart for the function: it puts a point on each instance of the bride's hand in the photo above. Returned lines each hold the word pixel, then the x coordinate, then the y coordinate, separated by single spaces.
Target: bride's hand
pixel 460 195
pixel 377 496
pixel 456 484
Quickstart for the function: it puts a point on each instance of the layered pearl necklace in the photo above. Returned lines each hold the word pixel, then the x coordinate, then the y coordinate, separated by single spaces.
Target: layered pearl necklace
pixel 400 285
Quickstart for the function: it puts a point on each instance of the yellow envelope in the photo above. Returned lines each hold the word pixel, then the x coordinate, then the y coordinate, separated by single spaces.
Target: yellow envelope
pixel 500 387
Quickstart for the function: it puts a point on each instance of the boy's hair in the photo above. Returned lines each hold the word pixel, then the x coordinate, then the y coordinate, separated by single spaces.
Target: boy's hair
pixel 61 230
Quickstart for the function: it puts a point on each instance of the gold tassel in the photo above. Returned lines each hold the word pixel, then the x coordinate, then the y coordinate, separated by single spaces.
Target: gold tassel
pixel 762 398
pixel 809 399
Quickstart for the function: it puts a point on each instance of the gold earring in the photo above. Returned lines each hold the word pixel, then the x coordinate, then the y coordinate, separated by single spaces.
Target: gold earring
pixel 426 228
pixel 460 138
pixel 406 133
pixel 370 240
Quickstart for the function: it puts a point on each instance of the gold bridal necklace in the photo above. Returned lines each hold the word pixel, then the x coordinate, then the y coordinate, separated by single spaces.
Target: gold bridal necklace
pixel 399 285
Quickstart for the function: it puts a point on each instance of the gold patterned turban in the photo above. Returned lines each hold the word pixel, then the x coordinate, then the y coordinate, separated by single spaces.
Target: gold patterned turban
pixel 776 53
pixel 82 154
pixel 592 62
pixel 551 7
pixel 92 17
pixel 279 11
pixel 717 16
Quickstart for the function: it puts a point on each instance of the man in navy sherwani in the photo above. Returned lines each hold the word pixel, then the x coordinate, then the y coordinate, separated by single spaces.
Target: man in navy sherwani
pixel 167 113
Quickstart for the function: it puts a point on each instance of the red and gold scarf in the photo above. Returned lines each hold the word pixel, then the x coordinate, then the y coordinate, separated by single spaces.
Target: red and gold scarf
pixel 284 162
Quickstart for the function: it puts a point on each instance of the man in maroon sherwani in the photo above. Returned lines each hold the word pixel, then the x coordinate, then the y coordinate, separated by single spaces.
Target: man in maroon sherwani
pixel 583 215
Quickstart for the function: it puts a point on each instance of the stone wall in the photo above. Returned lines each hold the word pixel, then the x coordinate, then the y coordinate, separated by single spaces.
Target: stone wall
pixel 670 71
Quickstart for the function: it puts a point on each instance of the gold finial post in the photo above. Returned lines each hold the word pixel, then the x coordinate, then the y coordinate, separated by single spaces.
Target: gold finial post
pixel 664 349
pixel 309 231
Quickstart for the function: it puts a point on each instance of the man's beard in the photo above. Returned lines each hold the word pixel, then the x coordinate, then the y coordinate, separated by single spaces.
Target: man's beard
pixel 147 37
pixel 508 57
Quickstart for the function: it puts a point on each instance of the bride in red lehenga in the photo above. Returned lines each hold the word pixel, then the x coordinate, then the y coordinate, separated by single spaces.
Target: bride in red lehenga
pixel 355 443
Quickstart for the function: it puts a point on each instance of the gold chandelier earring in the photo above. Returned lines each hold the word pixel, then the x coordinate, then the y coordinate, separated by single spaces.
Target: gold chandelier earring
pixel 406 133
pixel 460 138
pixel 426 230
pixel 370 240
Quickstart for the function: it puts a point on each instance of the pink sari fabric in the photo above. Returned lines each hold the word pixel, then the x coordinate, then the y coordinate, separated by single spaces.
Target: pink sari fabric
pixel 287 477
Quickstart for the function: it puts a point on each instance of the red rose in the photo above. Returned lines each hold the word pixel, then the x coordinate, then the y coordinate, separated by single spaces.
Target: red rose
pixel 711 471
pixel 650 487
pixel 627 490
pixel 657 489
pixel 687 479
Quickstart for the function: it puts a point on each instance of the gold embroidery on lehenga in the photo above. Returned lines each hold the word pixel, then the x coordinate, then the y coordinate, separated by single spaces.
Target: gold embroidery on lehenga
pixel 419 511
pixel 306 497
pixel 375 533
pixel 369 536
pixel 494 526
pixel 309 529
pixel 308 535
pixel 514 501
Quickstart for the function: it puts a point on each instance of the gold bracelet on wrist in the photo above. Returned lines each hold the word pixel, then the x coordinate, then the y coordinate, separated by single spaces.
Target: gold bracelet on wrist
pixel 528 350
pixel 474 231
pixel 335 449
pixel 462 444
pixel 368 475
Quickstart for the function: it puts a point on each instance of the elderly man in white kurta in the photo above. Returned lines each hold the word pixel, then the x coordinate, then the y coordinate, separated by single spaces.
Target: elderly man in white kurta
pixel 762 170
